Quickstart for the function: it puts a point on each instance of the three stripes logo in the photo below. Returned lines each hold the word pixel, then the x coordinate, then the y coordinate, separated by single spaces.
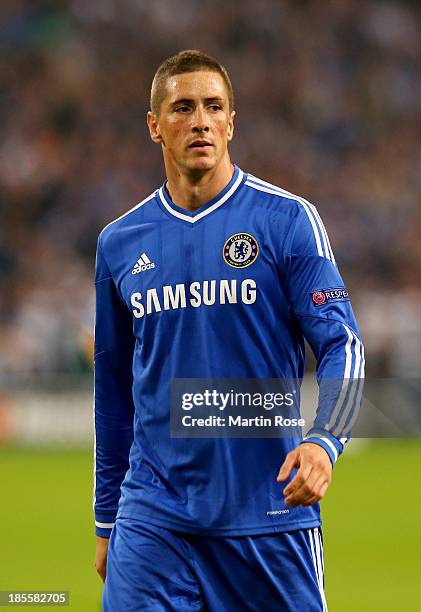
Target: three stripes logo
pixel 142 264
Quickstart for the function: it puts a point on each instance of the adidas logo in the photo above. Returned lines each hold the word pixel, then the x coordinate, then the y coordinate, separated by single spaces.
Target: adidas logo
pixel 142 264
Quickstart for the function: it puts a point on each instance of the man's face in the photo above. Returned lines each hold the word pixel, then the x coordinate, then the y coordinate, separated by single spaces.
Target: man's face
pixel 195 124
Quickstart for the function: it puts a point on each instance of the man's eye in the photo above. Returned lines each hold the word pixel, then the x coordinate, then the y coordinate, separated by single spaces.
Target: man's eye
pixel 182 109
pixel 215 107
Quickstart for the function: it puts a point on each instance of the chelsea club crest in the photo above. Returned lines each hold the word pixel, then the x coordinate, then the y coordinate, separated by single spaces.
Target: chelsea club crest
pixel 240 250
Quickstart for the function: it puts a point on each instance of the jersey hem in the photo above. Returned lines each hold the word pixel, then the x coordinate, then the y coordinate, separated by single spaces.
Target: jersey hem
pixel 223 531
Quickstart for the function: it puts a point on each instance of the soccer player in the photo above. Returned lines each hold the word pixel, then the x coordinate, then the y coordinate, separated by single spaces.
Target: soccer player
pixel 215 275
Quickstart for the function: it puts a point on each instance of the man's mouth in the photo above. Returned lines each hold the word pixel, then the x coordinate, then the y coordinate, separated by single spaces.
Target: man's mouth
pixel 200 144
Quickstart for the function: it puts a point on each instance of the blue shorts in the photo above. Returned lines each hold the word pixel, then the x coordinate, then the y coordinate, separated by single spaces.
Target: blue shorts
pixel 151 569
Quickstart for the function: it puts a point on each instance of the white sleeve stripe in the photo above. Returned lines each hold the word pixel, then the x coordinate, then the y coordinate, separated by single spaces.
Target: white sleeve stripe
pixel 104 525
pixel 358 396
pixel 309 215
pixel 326 441
pixel 357 356
pixel 319 230
pixel 304 204
pixel 316 231
pixel 345 382
pixel 354 383
pixel 303 201
pixel 326 237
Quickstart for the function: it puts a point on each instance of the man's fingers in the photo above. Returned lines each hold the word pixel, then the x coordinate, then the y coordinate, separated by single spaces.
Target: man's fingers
pixel 102 572
pixel 307 488
pixel 313 489
pixel 299 495
pixel 101 556
pixel 323 489
pixel 309 493
pixel 298 480
pixel 312 478
pixel 287 466
pixel 319 494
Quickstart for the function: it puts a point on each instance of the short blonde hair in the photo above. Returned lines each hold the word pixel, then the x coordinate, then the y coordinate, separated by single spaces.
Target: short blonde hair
pixel 186 61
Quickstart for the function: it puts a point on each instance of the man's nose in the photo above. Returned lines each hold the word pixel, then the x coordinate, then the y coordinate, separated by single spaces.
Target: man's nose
pixel 200 123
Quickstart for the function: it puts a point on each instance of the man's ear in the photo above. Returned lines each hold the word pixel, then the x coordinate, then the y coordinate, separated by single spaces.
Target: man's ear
pixel 231 126
pixel 154 128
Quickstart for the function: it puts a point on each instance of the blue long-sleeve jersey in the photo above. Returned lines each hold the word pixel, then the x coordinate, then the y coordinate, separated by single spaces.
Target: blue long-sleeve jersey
pixel 230 290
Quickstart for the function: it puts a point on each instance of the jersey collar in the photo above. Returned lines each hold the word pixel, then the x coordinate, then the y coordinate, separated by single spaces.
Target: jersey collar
pixel 205 209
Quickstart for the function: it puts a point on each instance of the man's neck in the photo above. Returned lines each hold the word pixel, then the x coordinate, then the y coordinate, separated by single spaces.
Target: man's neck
pixel 190 191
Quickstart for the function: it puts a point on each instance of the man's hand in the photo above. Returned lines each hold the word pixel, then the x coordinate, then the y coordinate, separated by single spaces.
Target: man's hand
pixel 101 556
pixel 312 478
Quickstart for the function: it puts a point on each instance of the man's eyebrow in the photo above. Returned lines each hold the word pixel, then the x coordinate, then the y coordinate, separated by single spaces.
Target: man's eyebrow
pixel 181 101
pixel 189 100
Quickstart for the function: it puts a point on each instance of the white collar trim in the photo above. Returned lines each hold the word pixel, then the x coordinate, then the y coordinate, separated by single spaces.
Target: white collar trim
pixel 218 203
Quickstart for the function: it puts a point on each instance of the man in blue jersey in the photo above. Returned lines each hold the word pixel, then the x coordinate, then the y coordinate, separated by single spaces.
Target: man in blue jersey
pixel 216 275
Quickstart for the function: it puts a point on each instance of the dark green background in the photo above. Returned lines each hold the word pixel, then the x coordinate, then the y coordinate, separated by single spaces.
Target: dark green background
pixel 372 527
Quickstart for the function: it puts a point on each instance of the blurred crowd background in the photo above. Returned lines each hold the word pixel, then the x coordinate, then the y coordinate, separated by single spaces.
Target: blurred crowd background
pixel 328 100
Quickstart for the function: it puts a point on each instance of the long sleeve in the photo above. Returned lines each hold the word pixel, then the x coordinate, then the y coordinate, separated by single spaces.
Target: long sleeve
pixel 321 305
pixel 113 403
